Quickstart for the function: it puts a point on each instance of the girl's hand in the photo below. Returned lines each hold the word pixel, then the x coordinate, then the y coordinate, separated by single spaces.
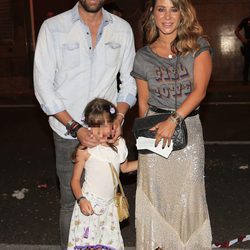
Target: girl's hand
pixel 164 130
pixel 86 207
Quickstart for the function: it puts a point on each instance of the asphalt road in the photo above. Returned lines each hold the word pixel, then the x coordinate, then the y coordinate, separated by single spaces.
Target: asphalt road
pixel 28 166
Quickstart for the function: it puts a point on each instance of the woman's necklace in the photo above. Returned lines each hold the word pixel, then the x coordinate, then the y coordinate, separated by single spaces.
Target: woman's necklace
pixel 169 56
pixel 162 44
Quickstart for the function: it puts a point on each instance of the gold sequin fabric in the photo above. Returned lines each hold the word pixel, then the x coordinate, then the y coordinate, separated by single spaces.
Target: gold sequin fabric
pixel 171 207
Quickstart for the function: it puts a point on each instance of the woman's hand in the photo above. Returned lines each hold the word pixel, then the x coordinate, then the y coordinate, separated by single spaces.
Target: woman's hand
pixel 115 132
pixel 86 207
pixel 164 130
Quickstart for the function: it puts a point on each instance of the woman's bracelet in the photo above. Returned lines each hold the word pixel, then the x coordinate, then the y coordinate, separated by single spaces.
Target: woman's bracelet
pixel 121 114
pixel 123 117
pixel 176 118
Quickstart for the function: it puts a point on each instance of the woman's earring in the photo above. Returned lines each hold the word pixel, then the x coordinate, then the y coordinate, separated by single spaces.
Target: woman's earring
pixel 152 18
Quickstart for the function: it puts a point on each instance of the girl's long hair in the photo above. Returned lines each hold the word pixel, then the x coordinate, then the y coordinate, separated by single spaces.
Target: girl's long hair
pixel 188 32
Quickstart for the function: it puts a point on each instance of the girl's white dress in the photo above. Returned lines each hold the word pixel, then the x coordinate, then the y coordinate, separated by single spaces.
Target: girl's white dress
pixel 102 229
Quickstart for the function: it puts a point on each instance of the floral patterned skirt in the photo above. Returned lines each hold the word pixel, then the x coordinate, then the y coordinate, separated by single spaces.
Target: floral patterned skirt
pixel 101 230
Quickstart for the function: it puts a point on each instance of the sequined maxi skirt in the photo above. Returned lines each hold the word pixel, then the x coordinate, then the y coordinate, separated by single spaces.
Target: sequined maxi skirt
pixel 171 207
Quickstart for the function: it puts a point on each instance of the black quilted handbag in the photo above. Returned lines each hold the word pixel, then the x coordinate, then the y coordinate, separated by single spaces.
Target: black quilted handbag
pixel 142 125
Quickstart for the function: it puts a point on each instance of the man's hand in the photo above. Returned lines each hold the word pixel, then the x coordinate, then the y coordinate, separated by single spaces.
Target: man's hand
pixel 86 138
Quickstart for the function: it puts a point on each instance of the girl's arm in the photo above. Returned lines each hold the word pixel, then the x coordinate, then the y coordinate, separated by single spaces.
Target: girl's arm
pixel 129 166
pixel 81 157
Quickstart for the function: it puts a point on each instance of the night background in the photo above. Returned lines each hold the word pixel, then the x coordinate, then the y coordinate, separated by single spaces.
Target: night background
pixel 26 146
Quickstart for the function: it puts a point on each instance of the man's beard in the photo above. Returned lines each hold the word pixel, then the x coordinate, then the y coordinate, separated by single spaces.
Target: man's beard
pixel 92 9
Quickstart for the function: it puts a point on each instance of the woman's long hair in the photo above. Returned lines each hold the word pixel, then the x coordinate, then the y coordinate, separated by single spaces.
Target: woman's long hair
pixel 188 31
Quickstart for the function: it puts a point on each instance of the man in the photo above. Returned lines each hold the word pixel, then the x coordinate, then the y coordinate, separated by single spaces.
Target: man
pixel 245 24
pixel 77 58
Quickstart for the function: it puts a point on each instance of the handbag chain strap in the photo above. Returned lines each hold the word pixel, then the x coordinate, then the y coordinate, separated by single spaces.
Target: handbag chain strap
pixel 115 176
pixel 175 79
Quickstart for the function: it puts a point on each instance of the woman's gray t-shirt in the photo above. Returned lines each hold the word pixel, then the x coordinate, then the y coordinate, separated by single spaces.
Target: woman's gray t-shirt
pixel 160 74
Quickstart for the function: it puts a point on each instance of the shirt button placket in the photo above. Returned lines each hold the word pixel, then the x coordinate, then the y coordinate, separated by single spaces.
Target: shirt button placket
pixel 88 37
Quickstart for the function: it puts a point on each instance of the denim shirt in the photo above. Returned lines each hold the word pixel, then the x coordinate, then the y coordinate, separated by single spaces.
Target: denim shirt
pixel 69 72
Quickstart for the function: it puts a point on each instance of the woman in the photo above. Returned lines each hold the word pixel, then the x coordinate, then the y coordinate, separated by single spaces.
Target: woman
pixel 172 73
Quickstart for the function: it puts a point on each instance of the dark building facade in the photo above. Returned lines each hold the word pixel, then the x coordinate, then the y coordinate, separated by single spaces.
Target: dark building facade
pixel 20 21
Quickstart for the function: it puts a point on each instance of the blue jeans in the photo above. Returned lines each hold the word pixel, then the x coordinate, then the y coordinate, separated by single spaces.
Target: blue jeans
pixel 64 167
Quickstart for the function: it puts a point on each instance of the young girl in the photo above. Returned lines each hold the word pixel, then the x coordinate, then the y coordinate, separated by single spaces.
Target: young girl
pixel 94 223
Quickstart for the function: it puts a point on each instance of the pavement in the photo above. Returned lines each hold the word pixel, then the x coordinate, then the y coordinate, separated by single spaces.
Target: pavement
pixel 27 168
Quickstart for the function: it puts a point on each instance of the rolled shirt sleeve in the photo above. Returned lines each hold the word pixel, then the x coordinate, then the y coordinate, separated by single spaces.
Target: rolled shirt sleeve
pixel 204 46
pixel 44 73
pixel 128 88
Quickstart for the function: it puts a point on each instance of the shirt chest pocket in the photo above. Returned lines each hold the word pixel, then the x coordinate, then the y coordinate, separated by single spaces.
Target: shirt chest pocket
pixel 70 55
pixel 112 50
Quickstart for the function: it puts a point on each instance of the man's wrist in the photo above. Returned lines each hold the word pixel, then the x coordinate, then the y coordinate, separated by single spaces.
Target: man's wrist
pixel 72 128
